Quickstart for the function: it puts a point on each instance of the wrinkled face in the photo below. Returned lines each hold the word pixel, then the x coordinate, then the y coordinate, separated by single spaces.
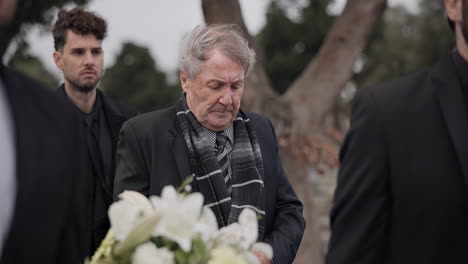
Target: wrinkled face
pixel 214 94
pixel 81 61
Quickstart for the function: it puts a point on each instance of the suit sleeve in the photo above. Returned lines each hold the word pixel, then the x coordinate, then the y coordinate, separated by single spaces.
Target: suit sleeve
pixel 131 170
pixel 289 223
pixel 72 246
pixel 361 210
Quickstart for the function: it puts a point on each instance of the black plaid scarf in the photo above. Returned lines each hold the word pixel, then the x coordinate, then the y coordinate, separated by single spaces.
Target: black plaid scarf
pixel 246 167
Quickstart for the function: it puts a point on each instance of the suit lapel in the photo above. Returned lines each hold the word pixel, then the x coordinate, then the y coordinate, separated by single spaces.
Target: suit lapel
pixel 180 153
pixel 114 117
pixel 114 120
pixel 454 110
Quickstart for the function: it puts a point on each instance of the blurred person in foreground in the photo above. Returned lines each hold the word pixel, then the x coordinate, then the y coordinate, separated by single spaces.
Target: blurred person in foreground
pixel 402 193
pixel 40 176
pixel 78 36
pixel 232 155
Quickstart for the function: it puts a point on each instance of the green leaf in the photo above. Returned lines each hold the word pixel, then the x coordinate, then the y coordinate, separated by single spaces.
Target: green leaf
pixel 186 182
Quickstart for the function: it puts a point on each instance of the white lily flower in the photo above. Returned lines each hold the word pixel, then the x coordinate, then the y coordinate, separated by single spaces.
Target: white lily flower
pixel 244 233
pixel 207 226
pixel 148 253
pixel 264 248
pixel 139 234
pixel 179 216
pixel 226 255
pixel 251 258
pixel 249 226
pixel 128 212
pixel 229 235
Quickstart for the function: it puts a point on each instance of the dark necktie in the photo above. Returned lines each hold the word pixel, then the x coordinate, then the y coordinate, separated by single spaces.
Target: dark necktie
pixel 222 156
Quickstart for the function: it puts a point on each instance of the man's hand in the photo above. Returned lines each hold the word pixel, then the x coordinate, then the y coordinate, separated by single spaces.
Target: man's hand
pixel 262 257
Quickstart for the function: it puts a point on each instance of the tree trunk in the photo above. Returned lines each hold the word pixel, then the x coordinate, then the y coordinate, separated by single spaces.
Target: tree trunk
pixel 329 71
pixel 311 249
pixel 312 96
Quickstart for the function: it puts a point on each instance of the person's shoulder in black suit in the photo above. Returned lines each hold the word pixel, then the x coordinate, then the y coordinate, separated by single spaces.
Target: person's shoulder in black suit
pixel 47 139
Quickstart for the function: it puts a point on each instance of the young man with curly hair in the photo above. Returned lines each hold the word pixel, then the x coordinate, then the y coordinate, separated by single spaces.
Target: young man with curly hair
pixel 78 36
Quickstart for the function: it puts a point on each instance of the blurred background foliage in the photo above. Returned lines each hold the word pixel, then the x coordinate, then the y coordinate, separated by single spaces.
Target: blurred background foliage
pixel 290 41
pixel 30 12
pixel 32 65
pixel 294 31
pixel 134 79
pixel 405 42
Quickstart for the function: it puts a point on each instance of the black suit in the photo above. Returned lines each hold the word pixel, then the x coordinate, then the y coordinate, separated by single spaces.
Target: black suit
pixel 152 153
pixel 98 187
pixel 43 228
pixel 402 187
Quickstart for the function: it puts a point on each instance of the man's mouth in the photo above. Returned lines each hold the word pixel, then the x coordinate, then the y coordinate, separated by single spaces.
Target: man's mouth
pixel 222 110
pixel 89 72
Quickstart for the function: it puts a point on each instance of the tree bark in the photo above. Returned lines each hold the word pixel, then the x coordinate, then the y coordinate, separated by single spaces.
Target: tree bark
pixel 312 96
pixel 311 249
pixel 329 71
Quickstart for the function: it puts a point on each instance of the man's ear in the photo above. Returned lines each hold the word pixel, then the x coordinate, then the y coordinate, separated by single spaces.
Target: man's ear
pixel 453 8
pixel 184 80
pixel 58 59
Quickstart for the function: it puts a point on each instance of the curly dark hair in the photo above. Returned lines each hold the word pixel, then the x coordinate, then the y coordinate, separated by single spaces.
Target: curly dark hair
pixel 80 22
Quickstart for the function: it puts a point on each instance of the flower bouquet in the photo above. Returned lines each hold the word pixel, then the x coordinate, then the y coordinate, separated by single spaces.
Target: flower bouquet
pixel 176 229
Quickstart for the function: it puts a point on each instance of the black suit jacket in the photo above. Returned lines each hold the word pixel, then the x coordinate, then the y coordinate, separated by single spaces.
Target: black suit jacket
pixel 43 227
pixel 97 199
pixel 116 114
pixel 152 154
pixel 402 187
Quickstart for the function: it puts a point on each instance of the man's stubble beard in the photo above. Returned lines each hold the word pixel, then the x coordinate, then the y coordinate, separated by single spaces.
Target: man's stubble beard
pixel 86 88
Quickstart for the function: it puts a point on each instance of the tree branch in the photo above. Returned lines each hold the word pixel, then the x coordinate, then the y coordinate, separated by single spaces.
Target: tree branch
pixel 329 71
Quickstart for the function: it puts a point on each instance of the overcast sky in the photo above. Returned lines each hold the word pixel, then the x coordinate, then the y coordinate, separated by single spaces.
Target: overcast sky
pixel 158 25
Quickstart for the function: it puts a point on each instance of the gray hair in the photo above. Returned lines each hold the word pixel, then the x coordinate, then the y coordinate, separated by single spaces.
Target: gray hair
pixel 227 38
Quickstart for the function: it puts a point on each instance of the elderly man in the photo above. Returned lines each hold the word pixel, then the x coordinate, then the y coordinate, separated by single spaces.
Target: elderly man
pixel 232 155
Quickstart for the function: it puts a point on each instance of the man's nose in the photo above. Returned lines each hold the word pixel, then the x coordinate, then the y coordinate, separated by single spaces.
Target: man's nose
pixel 89 59
pixel 226 97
